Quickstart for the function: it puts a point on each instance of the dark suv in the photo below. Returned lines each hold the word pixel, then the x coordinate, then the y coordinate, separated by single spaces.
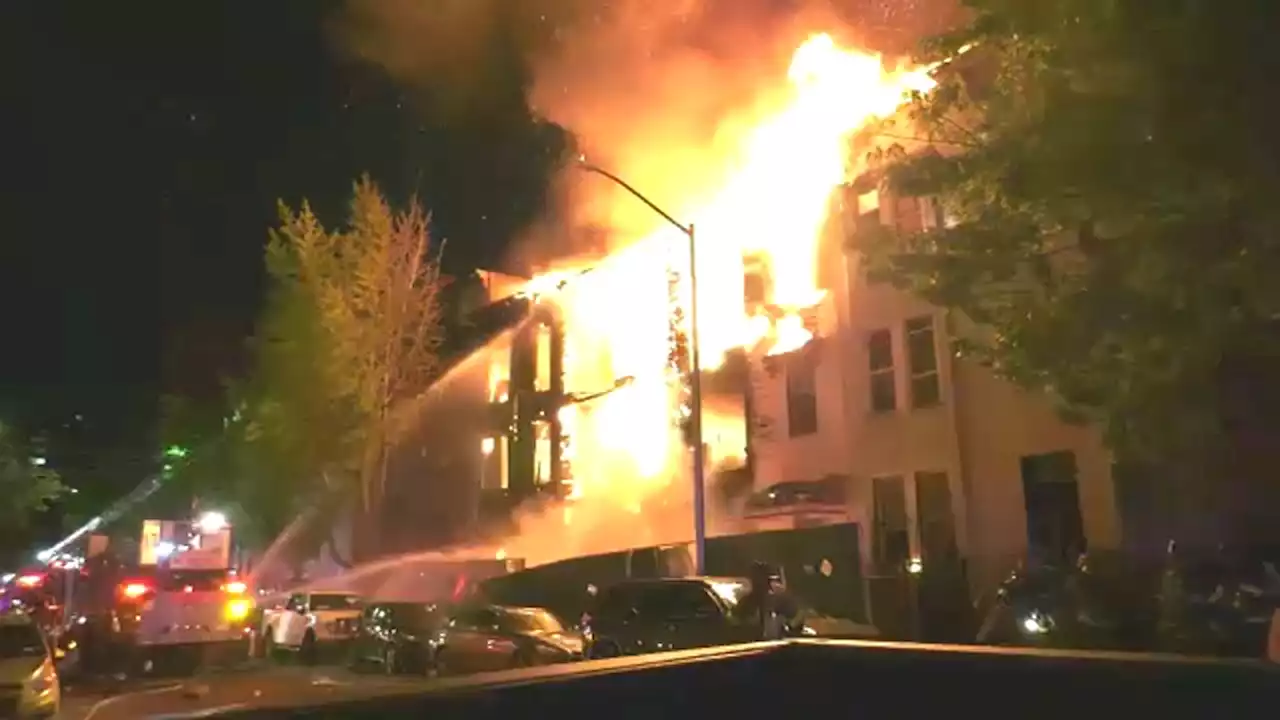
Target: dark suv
pixel 397 637
pixel 640 616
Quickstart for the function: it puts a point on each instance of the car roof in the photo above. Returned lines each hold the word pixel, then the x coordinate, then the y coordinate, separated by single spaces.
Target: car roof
pixel 700 580
pixel 16 618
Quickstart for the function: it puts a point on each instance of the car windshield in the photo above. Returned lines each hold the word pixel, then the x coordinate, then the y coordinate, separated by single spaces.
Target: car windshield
pixel 730 591
pixel 20 640
pixel 412 615
pixel 533 620
pixel 334 602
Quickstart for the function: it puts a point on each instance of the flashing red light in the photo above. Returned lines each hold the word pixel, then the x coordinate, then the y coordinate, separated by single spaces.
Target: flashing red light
pixel 235 587
pixel 30 581
pixel 134 590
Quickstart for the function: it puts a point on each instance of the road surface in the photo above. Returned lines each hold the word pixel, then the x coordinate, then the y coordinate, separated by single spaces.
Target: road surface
pixel 221 691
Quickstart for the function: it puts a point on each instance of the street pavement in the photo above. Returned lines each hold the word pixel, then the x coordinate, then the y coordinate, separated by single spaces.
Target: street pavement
pixel 220 691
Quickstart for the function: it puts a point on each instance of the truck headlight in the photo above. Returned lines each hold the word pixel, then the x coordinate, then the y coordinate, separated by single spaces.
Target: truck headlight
pixel 238 609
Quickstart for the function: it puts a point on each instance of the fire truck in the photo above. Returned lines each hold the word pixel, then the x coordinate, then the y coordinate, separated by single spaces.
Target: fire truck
pixel 180 598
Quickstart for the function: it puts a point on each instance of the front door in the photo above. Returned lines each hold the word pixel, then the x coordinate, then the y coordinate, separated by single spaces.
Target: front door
pixel 292 626
pixel 1055 529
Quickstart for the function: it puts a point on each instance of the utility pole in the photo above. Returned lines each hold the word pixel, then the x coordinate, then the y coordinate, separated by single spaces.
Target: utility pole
pixel 695 370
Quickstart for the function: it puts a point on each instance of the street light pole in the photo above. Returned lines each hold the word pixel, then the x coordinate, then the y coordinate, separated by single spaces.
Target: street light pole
pixel 695 370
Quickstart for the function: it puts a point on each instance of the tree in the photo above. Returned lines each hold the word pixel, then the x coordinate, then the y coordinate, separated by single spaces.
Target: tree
pixel 351 328
pixel 1109 171
pixel 379 295
pixel 27 482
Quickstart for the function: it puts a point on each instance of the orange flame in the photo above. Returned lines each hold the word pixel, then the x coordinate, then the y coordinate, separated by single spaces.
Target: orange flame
pixel 771 205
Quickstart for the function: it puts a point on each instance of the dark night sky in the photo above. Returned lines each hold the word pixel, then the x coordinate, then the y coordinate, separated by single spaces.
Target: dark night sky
pixel 145 145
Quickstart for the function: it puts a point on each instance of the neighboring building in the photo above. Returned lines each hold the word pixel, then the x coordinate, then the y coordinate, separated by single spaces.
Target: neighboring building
pixel 938 458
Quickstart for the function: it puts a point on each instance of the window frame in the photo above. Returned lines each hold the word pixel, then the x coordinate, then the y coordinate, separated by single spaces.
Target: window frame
pixel 914 328
pixel 880 555
pixel 802 403
pixel 878 373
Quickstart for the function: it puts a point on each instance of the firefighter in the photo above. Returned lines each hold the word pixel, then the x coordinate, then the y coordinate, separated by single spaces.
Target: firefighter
pixel 768 608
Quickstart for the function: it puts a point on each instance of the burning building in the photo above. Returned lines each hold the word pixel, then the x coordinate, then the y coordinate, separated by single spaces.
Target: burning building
pixel 825 399
pixel 584 396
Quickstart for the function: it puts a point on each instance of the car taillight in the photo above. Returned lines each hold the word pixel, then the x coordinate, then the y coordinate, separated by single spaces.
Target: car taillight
pixel 235 588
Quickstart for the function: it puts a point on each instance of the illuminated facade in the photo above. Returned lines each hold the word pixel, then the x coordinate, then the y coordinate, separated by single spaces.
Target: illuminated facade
pixel 876 421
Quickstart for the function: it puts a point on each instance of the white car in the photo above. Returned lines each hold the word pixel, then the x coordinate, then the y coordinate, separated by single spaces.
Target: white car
pixel 312 622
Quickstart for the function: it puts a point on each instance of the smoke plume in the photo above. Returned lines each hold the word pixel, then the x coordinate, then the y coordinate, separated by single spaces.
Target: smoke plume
pixel 646 88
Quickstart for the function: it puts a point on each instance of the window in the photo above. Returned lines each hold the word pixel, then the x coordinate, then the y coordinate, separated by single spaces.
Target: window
pixel 20 639
pixel 802 394
pixel 884 396
pixel 411 616
pixel 475 619
pixel 868 210
pixel 933 215
pixel 678 601
pixel 616 603
pixel 1055 526
pixel 334 602
pixel 936 518
pixel 530 620
pixel 922 358
pixel 891 543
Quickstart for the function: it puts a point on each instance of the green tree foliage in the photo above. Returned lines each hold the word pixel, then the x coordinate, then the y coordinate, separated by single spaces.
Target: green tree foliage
pixel 350 329
pixel 28 487
pixel 1110 171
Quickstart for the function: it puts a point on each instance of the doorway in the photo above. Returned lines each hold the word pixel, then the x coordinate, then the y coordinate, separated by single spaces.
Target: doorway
pixel 1055 528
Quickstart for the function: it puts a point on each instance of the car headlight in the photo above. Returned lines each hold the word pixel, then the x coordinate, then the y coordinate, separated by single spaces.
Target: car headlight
pixel 42 680
pixel 1036 623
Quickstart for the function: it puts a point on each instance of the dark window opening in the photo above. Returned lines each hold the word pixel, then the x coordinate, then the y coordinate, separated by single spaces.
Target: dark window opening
pixel 891 539
pixel 1055 528
pixel 802 394
pixel 922 359
pixel 884 393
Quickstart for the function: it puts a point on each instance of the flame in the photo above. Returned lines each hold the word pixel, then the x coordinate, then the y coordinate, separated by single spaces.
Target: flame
pixel 770 206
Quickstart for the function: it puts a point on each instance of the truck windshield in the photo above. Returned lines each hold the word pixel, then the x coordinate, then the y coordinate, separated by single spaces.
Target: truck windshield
pixel 20 640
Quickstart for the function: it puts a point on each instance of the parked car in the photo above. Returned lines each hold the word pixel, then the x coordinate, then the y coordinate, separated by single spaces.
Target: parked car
pixel 29 684
pixel 640 616
pixel 312 623
pixel 398 637
pixel 495 637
